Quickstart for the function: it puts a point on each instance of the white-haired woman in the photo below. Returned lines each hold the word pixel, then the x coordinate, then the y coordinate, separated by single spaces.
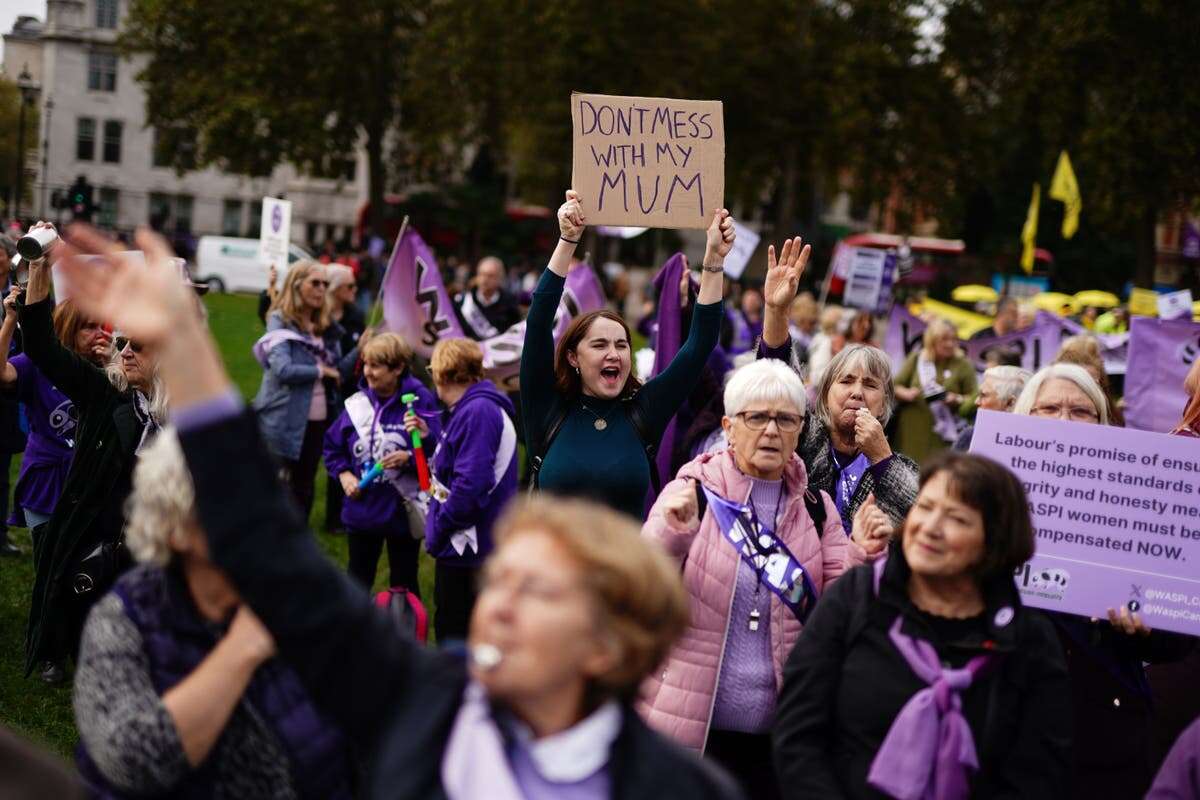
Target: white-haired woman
pixel 1105 658
pixel 843 446
pixel 933 386
pixel 177 691
pixel 998 391
pixel 77 553
pixel 758 548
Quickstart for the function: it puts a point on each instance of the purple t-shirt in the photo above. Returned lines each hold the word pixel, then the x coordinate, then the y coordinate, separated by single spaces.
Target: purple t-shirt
pixel 48 452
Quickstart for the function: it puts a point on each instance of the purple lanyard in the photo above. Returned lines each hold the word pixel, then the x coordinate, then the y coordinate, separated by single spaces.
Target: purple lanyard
pixel 848 480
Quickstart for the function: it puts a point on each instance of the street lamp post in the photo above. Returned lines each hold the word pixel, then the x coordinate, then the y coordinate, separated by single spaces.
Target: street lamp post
pixel 28 91
pixel 46 157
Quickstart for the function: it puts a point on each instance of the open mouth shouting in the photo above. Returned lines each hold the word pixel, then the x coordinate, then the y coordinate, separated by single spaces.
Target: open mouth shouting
pixel 610 378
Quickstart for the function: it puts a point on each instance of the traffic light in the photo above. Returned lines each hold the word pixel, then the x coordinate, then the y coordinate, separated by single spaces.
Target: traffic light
pixel 79 200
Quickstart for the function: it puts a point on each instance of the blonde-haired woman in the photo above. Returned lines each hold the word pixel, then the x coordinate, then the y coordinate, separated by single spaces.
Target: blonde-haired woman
pixel 177 690
pixel 299 394
pixel 78 553
pixel 932 386
pixel 474 476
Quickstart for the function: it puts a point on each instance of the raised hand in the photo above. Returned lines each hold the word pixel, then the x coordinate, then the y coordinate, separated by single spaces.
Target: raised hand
pixel 571 222
pixel 681 507
pixel 145 300
pixel 720 238
pixel 783 275
pixel 1128 623
pixel 10 303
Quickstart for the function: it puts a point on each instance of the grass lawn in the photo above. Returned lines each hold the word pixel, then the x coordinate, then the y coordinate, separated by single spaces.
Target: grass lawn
pixel 43 713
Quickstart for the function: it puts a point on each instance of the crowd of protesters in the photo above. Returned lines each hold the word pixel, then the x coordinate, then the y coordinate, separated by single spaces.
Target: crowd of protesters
pixel 816 602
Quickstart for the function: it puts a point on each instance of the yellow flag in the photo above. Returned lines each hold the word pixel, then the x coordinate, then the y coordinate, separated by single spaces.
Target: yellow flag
pixel 1064 187
pixel 1029 232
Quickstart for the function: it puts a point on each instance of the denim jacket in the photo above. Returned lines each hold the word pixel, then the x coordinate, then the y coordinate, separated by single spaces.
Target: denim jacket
pixel 285 394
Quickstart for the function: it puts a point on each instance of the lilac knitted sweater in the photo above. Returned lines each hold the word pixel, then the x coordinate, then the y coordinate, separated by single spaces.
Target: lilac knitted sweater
pixel 746 689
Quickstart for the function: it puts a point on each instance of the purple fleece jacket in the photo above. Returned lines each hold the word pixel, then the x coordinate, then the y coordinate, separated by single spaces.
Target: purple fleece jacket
pixel 378 508
pixel 476 460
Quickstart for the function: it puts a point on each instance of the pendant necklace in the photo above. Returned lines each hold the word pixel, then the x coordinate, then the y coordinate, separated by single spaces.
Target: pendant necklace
pixel 601 422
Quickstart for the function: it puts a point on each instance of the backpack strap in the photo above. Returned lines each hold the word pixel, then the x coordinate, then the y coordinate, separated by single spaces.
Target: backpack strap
pixel 538 453
pixel 641 427
pixel 816 510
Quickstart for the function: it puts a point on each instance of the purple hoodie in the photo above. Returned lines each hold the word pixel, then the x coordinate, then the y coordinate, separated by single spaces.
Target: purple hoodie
pixel 476 463
pixel 378 507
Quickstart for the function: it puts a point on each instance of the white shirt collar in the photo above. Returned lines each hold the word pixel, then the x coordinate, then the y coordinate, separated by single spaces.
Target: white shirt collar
pixel 579 751
pixel 483 301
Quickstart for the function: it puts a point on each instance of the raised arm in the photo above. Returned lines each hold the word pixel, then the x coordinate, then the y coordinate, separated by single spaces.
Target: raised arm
pixel 661 397
pixel 8 375
pixel 783 279
pixel 537 355
pixel 352 661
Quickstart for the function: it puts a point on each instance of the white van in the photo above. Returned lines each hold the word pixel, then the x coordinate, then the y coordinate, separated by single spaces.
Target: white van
pixel 227 264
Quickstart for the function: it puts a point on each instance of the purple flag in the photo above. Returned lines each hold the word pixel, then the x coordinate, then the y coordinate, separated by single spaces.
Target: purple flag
pixel 667 342
pixel 1160 354
pixel 416 305
pixel 903 335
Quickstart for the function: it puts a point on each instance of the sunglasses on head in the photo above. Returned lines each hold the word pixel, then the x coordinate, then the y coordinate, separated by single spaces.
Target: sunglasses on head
pixel 119 342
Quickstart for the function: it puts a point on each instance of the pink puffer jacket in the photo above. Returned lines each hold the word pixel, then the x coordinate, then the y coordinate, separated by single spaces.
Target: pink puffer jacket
pixel 678 698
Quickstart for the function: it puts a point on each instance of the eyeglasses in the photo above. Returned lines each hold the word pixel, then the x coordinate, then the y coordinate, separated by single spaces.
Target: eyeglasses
pixel 758 420
pixel 319 282
pixel 1073 413
pixel 120 341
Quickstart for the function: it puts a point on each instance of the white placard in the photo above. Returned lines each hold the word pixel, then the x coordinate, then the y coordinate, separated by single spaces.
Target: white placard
pixel 275 232
pixel 1174 305
pixel 744 246
pixel 865 279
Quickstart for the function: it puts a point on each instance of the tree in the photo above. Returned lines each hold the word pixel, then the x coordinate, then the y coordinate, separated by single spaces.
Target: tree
pixel 1111 83
pixel 10 110
pixel 248 86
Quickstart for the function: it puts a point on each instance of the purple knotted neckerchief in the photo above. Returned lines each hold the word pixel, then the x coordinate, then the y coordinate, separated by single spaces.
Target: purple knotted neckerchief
pixel 929 752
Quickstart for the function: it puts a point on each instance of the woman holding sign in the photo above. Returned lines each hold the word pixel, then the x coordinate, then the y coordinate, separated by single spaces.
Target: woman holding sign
pixel 753 604
pixel 844 448
pixel 1109 690
pixel 591 427
pixel 922 676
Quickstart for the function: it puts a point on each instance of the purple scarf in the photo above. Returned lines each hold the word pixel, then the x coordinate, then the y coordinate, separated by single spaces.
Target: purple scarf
pixel 929 752
pixel 847 482
pixel 667 342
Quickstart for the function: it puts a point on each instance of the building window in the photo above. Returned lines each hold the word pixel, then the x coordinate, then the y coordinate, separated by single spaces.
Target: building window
pixel 102 71
pixel 160 211
pixel 112 141
pixel 183 213
pixel 254 222
pixel 85 139
pixel 231 218
pixel 106 14
pixel 109 199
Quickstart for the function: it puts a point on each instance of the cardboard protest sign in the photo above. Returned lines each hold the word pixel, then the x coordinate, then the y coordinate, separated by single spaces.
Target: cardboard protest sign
pixel 417 306
pixel 645 161
pixel 275 231
pixel 743 248
pixel 1160 354
pixel 1116 517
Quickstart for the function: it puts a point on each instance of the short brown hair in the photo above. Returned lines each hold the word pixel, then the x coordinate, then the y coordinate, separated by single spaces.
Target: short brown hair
pixel 998 496
pixel 635 586
pixel 68 322
pixel 456 361
pixel 387 348
pixel 566 379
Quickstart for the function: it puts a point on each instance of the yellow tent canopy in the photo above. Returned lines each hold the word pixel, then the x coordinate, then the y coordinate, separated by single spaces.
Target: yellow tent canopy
pixel 1096 299
pixel 1054 302
pixel 966 322
pixel 1196 311
pixel 974 293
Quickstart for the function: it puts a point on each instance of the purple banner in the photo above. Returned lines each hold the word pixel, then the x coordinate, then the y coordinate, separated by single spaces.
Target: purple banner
pixel 1116 516
pixel 1037 345
pixel 417 306
pixel 667 341
pixel 904 332
pixel 1160 354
